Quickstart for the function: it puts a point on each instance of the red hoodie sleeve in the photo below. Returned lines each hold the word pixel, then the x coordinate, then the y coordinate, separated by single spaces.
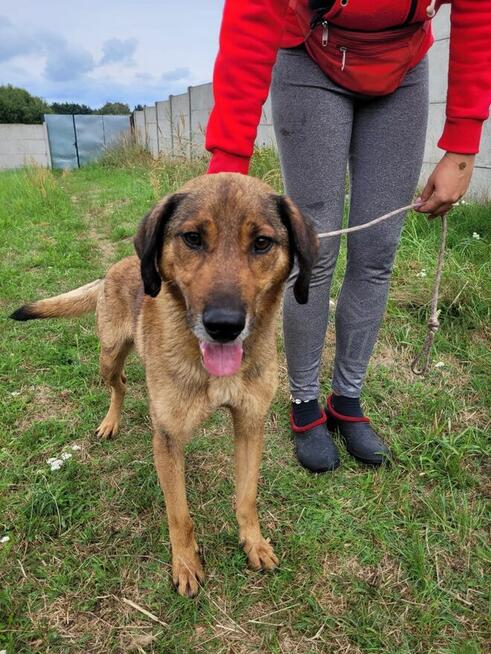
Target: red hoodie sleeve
pixel 249 41
pixel 469 76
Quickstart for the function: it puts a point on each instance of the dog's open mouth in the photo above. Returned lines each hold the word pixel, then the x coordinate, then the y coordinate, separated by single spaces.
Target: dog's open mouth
pixel 221 359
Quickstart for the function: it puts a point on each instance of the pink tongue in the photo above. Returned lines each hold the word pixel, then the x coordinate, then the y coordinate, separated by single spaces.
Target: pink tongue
pixel 221 359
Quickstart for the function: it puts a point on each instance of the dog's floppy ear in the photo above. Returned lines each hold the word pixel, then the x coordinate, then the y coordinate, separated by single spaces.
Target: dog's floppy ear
pixel 304 245
pixel 149 240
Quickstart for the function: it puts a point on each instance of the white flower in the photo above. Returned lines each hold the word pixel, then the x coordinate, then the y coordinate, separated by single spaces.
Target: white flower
pixel 55 464
pixel 14 394
pixel 476 236
pixel 422 273
pixel 439 364
pixel 4 539
pixel 3 651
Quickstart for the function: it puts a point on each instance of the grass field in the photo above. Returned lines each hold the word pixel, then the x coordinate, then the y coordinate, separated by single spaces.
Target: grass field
pixel 390 560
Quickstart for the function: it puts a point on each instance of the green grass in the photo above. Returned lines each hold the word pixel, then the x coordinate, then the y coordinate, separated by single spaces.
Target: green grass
pixel 390 560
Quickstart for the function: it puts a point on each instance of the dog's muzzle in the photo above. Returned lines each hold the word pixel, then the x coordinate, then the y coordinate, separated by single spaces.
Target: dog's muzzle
pixel 222 324
pixel 221 331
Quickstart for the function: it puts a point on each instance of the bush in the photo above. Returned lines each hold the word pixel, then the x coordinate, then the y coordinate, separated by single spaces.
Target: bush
pixel 19 106
pixel 114 108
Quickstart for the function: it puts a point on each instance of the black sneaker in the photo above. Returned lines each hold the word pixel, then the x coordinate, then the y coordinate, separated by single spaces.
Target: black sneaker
pixel 314 446
pixel 361 440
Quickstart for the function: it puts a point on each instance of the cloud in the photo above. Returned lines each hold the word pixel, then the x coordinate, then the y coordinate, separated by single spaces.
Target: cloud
pixel 63 61
pixel 143 77
pixel 176 75
pixel 12 42
pixel 118 51
pixel 58 69
pixel 68 63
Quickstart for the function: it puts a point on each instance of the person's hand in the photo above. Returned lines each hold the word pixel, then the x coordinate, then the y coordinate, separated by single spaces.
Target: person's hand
pixel 446 184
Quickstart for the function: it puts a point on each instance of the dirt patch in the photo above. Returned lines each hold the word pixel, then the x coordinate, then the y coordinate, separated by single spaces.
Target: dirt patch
pixel 104 245
pixel 45 402
pixel 111 626
pixel 481 336
pixel 397 360
pixel 98 232
pixel 471 417
pixel 325 641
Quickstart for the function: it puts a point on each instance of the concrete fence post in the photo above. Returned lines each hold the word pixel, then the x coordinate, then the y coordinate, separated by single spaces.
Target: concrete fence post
pixel 201 103
pixel 157 127
pixel 150 113
pixel 180 124
pixel 190 113
pixel 46 145
pixel 171 112
pixel 163 126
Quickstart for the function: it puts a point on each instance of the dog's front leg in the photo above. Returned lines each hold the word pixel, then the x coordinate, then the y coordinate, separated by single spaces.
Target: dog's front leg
pixel 249 436
pixel 187 571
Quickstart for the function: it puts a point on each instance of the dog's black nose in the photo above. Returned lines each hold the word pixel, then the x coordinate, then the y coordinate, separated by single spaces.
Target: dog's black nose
pixel 223 325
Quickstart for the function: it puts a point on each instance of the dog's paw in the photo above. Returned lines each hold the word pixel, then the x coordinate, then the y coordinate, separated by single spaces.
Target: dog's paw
pixel 108 428
pixel 260 554
pixel 187 574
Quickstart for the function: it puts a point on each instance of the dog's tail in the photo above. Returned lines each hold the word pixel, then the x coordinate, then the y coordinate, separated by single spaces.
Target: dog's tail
pixel 71 304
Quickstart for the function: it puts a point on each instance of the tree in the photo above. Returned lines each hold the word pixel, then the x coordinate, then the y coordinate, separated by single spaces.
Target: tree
pixel 19 106
pixel 71 108
pixel 114 108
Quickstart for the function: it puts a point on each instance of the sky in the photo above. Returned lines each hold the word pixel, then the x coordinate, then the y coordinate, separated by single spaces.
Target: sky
pixel 92 52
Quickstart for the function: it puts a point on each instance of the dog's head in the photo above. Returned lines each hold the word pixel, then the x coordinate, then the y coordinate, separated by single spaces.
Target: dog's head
pixel 225 245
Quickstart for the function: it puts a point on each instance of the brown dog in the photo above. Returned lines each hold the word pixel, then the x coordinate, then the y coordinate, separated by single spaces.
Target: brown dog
pixel 199 304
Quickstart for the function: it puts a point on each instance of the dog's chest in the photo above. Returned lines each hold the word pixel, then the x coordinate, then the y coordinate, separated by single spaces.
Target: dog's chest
pixel 224 391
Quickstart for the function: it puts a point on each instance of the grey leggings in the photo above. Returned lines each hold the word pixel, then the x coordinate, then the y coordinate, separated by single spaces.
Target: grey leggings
pixel 320 127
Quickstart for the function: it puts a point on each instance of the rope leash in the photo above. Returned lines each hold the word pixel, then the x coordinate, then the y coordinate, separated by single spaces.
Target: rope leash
pixel 422 361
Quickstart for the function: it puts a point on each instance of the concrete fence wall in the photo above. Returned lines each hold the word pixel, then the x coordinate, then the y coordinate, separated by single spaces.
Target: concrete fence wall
pixel 177 126
pixel 21 145
pixel 180 121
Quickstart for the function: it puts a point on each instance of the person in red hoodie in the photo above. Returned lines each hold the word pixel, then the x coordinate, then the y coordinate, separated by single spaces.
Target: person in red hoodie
pixel 349 87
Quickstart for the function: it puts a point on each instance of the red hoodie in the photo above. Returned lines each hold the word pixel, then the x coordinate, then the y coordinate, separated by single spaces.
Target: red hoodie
pixel 253 30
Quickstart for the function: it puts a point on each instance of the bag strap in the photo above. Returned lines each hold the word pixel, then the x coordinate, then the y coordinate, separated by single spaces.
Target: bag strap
pixel 321 5
pixel 412 11
pixel 316 9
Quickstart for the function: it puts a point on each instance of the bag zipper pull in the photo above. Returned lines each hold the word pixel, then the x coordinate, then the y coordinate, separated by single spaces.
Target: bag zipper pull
pixel 344 50
pixel 325 33
pixel 430 9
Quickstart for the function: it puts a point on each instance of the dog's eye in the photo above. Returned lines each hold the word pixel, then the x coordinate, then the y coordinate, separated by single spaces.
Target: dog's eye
pixel 262 244
pixel 193 240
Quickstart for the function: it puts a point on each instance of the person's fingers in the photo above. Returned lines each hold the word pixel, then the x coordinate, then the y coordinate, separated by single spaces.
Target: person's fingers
pixel 425 195
pixel 441 211
pixel 432 205
pixel 428 189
